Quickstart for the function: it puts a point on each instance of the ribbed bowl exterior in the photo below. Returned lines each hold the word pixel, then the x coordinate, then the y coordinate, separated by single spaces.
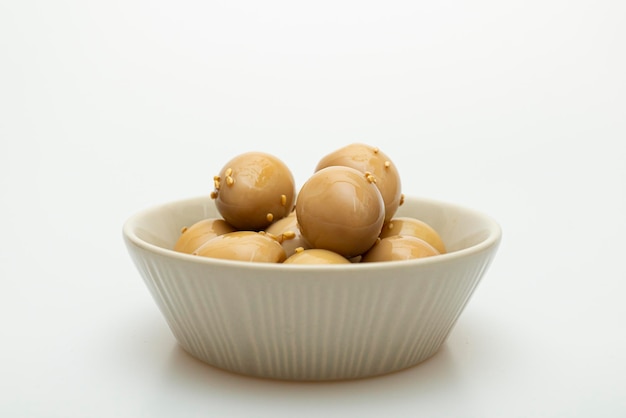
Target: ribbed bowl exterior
pixel 311 322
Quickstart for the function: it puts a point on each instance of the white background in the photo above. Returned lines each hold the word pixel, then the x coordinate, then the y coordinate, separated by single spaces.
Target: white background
pixel 517 109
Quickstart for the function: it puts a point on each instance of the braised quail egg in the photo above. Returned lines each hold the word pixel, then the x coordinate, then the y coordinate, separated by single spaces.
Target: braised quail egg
pixel 254 189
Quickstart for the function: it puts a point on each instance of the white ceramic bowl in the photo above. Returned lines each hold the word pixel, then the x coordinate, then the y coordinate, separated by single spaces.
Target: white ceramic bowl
pixel 303 322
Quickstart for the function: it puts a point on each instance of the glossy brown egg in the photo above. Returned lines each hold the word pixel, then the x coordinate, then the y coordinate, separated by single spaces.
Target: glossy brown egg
pixel 399 247
pixel 200 232
pixel 253 190
pixel 340 209
pixel 288 234
pixel 416 228
pixel 316 256
pixel 371 160
pixel 243 246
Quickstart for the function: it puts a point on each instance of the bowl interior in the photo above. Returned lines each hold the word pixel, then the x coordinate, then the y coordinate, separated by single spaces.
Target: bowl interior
pixel 460 227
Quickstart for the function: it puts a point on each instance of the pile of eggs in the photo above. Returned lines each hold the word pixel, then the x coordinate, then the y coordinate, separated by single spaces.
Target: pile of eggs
pixel 344 213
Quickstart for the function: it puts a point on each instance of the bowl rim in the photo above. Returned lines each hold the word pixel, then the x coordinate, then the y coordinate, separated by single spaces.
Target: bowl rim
pixel 493 239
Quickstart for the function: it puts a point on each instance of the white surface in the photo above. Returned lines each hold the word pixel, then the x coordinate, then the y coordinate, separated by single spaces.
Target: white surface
pixel 516 109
